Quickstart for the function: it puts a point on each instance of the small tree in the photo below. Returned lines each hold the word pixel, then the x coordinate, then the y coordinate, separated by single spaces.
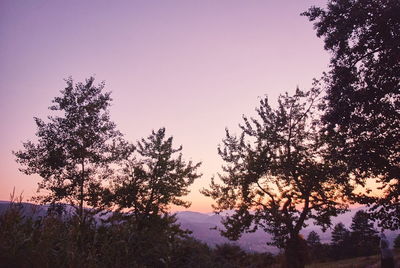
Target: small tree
pixel 75 148
pixel 275 176
pixel 154 179
pixel 313 239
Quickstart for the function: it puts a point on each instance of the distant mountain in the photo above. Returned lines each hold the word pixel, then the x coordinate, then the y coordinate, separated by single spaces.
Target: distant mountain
pixel 203 227
pixel 28 209
pixel 31 210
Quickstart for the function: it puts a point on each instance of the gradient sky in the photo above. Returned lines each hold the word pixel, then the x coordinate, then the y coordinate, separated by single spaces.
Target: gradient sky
pixel 192 66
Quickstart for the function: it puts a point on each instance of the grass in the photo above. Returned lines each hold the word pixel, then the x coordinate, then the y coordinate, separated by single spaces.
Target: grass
pixel 360 262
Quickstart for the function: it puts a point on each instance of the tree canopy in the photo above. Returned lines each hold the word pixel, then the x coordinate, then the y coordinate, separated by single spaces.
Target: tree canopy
pixel 75 147
pixel 364 237
pixel 362 113
pixel 275 174
pixel 155 178
pixel 341 244
pixel 340 234
pixel 313 239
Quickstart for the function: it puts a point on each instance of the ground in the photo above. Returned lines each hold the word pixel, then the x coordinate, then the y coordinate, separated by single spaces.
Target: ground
pixel 361 262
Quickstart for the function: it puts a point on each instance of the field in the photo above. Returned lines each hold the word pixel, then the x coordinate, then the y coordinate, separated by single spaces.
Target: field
pixel 361 262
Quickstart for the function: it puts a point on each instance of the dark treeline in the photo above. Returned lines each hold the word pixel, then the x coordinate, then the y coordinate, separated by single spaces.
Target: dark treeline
pixel 305 161
pixel 360 240
pixel 60 240
pixel 64 241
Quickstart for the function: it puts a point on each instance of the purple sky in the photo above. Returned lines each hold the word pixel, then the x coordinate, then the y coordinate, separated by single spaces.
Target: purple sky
pixel 192 66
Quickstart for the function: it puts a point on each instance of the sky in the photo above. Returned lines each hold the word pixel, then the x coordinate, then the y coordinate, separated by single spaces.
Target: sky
pixel 194 67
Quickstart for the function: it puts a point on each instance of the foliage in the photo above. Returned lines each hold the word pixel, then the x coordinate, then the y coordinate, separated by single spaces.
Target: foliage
pixel 153 244
pixel 363 236
pixel 313 239
pixel 362 114
pixel 396 243
pixel 154 179
pixel 75 148
pixel 53 241
pixel 340 234
pixel 79 155
pixel 317 250
pixel 232 256
pixel 191 253
pixel 276 170
pixel 362 240
pixel 341 242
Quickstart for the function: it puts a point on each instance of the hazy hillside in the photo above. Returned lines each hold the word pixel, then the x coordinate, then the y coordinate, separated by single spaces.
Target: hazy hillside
pixel 28 209
pixel 203 227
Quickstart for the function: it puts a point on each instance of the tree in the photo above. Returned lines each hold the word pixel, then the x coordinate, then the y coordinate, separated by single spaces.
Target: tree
pixel 192 253
pixel 315 248
pixel 363 236
pixel 340 234
pixel 275 176
pixel 229 255
pixel 341 244
pixel 362 113
pixel 154 179
pixel 75 148
pixel 313 239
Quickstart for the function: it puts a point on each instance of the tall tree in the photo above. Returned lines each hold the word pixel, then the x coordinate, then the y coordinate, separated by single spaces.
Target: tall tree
pixel 341 244
pixel 340 234
pixel 275 176
pixel 75 148
pixel 362 115
pixel 156 178
pixel 363 236
pixel 315 248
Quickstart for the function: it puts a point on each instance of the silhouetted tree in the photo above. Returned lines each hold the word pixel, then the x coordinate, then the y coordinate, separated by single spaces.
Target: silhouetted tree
pixel 340 234
pixel 275 176
pixel 191 253
pixel 364 237
pixel 228 255
pixel 363 94
pixel 313 239
pixel 75 148
pixel 156 178
pixel 315 248
pixel 341 244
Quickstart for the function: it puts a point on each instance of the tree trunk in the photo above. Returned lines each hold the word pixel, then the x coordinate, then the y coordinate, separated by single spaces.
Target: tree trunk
pixel 80 211
pixel 296 252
